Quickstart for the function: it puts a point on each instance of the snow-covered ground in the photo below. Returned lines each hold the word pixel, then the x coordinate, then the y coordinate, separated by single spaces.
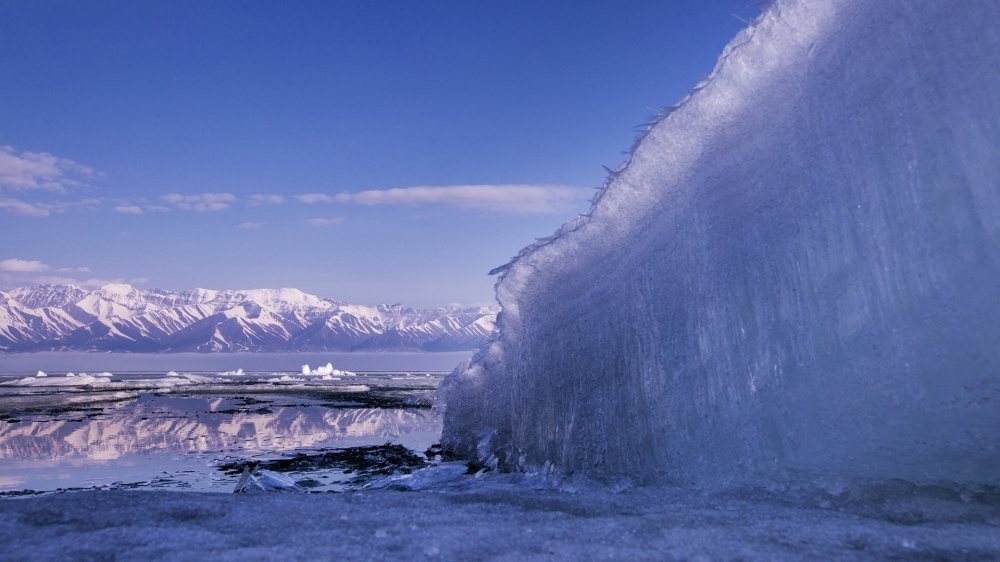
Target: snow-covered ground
pixel 488 521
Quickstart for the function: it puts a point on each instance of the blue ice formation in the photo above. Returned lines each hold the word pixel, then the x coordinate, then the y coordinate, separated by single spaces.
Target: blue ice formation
pixel 796 274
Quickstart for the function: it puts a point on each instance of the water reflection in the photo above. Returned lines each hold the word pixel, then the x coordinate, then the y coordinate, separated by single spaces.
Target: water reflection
pixel 174 441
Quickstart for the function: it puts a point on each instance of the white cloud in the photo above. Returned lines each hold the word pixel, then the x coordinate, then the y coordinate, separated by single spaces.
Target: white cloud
pixel 65 269
pixel 128 210
pixel 157 208
pixel 39 170
pixel 53 280
pixel 44 209
pixel 98 282
pixel 513 198
pixel 22 266
pixel 251 225
pixel 259 199
pixel 200 203
pixel 311 198
pixel 325 222
pixel 22 208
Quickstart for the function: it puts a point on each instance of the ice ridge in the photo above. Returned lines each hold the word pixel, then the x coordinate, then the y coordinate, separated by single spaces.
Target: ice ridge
pixel 794 275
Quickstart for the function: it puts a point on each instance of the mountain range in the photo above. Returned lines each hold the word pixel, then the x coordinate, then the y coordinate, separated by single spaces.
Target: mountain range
pixel 119 317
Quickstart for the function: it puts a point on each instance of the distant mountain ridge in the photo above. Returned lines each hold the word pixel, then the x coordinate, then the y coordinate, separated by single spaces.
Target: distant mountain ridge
pixel 119 317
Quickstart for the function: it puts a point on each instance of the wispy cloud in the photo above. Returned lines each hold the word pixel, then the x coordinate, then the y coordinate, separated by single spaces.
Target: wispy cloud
pixel 39 170
pixel 85 283
pixel 251 225
pixel 20 273
pixel 128 210
pixel 259 199
pixel 512 198
pixel 50 280
pixel 44 209
pixel 325 222
pixel 22 266
pixel 200 203
pixel 23 208
pixel 311 198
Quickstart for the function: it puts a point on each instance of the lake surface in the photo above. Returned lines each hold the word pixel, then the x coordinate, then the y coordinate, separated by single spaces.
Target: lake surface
pixel 205 429
pixel 65 361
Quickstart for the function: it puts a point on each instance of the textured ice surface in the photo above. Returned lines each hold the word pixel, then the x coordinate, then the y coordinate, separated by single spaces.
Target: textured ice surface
pixel 795 274
pixel 503 523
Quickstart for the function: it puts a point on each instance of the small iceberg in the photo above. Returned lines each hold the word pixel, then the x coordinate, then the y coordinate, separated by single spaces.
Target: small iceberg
pixel 326 371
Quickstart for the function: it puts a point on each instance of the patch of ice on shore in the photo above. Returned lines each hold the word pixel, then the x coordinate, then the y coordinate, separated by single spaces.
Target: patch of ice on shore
pixel 438 477
pixel 262 480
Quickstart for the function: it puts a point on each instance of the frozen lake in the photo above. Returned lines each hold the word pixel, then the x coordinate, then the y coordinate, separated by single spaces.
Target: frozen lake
pixel 133 426
pixel 64 361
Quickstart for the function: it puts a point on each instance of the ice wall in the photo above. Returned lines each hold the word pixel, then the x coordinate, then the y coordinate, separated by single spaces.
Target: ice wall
pixel 796 274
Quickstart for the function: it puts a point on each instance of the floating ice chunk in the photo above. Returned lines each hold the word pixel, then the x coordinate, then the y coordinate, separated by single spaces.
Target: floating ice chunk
pixel 236 373
pixel 322 370
pixel 70 375
pixel 41 374
pixel 326 371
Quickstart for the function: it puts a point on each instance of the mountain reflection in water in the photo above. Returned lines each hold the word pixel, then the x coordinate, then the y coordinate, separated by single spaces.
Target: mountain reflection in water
pixel 166 440
pixel 143 427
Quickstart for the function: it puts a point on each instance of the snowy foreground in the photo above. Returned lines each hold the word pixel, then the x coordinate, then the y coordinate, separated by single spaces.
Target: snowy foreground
pixel 490 521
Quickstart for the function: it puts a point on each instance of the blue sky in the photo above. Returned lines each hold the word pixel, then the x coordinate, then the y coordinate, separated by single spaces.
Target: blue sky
pixel 365 151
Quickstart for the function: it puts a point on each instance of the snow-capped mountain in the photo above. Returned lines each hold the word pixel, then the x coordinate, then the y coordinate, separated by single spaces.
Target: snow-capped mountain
pixel 119 317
